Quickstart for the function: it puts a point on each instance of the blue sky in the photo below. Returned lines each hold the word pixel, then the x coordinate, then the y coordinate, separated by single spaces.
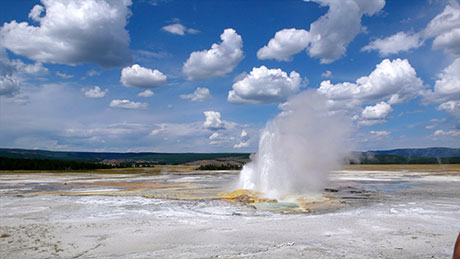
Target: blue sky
pixel 205 76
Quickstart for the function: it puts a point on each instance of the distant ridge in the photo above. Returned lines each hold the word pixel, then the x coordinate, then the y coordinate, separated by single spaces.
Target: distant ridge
pixel 431 155
pixel 160 158
pixel 432 152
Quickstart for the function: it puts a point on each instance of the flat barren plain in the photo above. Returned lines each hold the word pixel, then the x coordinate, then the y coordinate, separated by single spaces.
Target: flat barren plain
pixel 367 211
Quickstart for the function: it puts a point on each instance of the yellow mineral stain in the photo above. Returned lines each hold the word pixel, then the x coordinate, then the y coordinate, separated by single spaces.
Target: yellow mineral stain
pixel 246 196
pixel 320 203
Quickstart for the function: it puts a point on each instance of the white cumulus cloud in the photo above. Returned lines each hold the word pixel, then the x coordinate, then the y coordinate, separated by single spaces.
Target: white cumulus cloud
pixel 380 133
pixel 14 73
pixel 265 85
pixel 213 120
pixel 452 107
pixel 92 73
pixel 199 95
pixel 328 36
pixel 244 140
pixel 196 137
pixel 453 133
pixel 127 104
pixel 218 61
pixel 214 135
pixel 9 85
pixel 286 43
pixel 331 33
pixel 29 69
pixel 327 74
pixel 244 134
pixel 446 89
pixel 392 81
pixel 448 85
pixel 179 29
pixel 241 145
pixel 63 75
pixel 146 93
pixel 445 28
pixel 72 32
pixel 377 112
pixel 141 77
pixel 95 92
pixel 394 44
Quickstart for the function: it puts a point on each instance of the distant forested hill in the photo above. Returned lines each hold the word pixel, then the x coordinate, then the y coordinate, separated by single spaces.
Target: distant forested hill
pixel 41 158
pixel 434 152
pixel 159 158
pixel 47 164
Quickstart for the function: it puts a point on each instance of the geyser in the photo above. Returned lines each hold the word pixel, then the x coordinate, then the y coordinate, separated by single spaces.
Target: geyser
pixel 297 149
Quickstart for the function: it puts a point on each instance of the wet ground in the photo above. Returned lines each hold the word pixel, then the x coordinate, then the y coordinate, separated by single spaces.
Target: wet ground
pixel 361 214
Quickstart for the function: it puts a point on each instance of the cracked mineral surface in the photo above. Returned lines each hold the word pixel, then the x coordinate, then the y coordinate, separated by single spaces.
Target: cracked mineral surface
pixel 195 214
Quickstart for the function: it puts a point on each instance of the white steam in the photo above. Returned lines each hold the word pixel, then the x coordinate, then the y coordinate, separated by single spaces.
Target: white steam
pixel 297 149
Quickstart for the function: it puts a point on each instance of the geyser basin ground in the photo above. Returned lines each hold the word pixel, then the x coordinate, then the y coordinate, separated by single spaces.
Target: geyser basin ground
pixel 392 213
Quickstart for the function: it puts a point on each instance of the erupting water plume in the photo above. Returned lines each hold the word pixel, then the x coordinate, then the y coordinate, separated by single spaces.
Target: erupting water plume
pixel 297 149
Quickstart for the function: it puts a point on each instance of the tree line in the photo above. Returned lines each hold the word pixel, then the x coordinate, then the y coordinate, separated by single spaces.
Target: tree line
pixel 220 167
pixel 47 164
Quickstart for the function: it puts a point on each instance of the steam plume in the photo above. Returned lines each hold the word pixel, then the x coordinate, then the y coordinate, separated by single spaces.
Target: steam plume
pixel 297 149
